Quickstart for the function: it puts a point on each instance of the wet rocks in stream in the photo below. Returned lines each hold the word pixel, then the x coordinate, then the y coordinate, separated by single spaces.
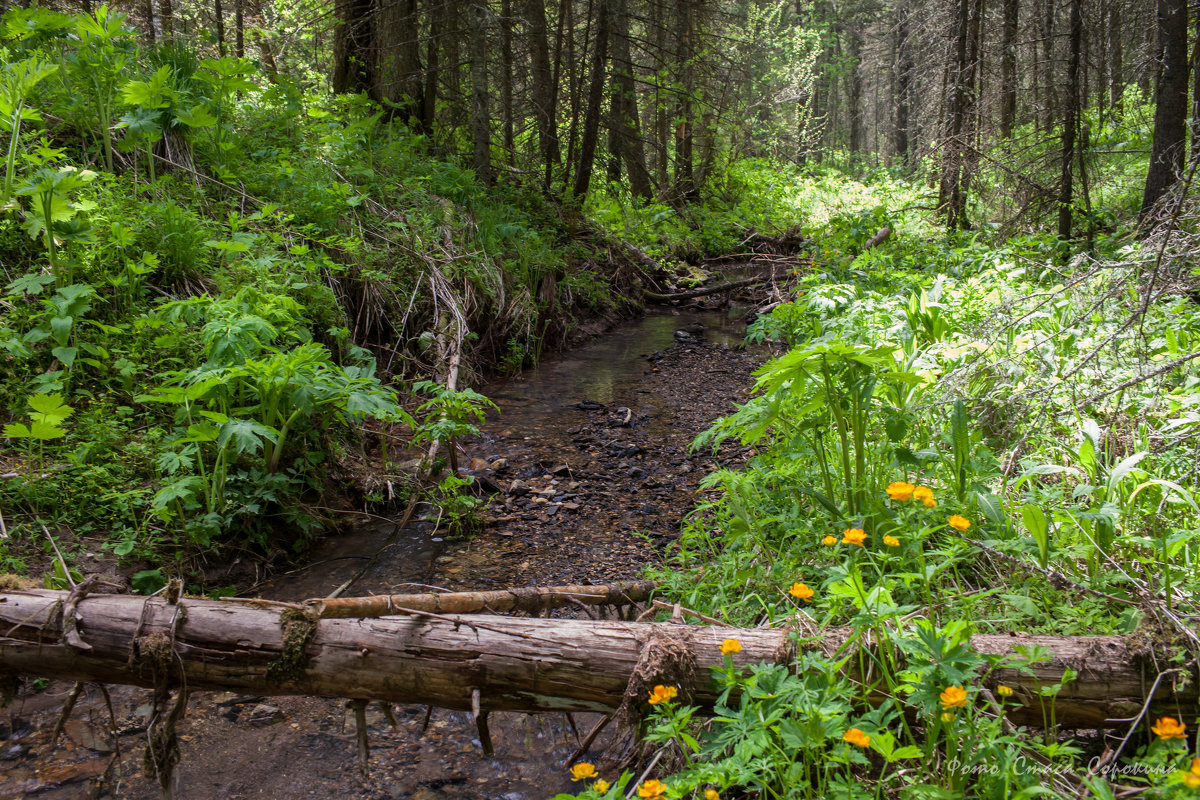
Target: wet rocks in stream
pixel 604 488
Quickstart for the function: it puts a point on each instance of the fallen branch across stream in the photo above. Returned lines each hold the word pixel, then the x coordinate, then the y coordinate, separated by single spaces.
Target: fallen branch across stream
pixel 499 663
pixel 530 600
pixel 655 297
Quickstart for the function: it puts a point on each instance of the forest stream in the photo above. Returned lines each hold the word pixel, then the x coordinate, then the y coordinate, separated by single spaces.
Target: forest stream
pixel 592 477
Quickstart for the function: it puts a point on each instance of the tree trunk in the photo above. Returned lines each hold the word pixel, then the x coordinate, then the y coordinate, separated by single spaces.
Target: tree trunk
pixel 433 49
pixel 353 64
pixel 398 64
pixel 239 24
pixel 166 16
pixel 1170 103
pixel 854 44
pixel 1113 63
pixel 591 120
pixel 265 49
pixel 685 184
pixel 544 96
pixel 625 119
pixel 506 80
pixel 952 199
pixel 219 19
pixel 1008 66
pixel 505 663
pixel 1070 123
pixel 481 132
pixel 904 74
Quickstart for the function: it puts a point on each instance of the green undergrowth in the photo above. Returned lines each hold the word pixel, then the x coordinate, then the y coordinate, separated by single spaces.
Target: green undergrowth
pixel 957 435
pixel 221 294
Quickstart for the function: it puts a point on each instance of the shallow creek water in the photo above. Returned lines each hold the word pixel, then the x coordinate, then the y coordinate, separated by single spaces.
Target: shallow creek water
pixel 537 404
pixel 305 748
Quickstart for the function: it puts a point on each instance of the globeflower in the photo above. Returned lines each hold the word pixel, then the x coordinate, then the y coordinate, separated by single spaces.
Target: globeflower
pixel 925 495
pixel 959 523
pixel 730 646
pixel 652 788
pixel 853 536
pixel 601 786
pixel 662 694
pixel 582 771
pixel 891 541
pixel 856 737
pixel 829 541
pixel 1004 691
pixel 901 490
pixel 1169 728
pixel 801 592
pixel 711 794
pixel 1191 778
pixel 953 697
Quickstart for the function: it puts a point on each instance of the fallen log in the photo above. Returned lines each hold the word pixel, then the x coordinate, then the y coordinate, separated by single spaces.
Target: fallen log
pixel 530 599
pixel 500 663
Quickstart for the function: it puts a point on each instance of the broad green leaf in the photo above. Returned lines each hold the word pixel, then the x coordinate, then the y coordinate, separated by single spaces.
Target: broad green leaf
pixel 66 355
pixel 198 116
pixel 30 284
pixel 48 408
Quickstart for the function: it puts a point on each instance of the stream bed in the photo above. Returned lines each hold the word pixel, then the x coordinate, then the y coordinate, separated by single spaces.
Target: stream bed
pixel 589 457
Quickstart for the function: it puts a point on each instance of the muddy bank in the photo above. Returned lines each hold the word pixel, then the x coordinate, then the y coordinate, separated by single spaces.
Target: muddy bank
pixel 592 476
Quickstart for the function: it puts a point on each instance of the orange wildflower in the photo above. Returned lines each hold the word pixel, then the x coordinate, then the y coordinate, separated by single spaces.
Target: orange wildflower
pixel 953 697
pixel 856 737
pixel 900 490
pixel 730 646
pixel 959 523
pixel 582 771
pixel 661 694
pixel 651 789
pixel 1169 728
pixel 853 536
pixel 801 592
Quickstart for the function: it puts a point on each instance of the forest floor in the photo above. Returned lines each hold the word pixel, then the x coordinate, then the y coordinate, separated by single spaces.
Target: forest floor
pixel 589 498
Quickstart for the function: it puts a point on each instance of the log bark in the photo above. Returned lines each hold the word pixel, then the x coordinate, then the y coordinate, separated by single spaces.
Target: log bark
pixel 518 664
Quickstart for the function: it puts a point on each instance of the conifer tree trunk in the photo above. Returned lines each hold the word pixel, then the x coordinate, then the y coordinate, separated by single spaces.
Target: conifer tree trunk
pixel 1008 66
pixel 433 49
pixel 854 45
pixel 591 122
pixel 685 185
pixel 1070 122
pixel 1114 56
pixel 353 64
pixel 480 111
pixel 625 118
pixel 1170 103
pixel 239 23
pixel 544 96
pixel 399 57
pixel 506 79
pixel 219 20
pixel 904 73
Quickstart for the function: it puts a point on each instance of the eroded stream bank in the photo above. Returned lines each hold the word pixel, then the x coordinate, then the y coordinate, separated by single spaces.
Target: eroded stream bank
pixel 590 457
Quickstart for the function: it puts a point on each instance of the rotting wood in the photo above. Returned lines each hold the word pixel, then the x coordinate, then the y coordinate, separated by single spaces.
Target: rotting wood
pixel 515 663
pixel 531 600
